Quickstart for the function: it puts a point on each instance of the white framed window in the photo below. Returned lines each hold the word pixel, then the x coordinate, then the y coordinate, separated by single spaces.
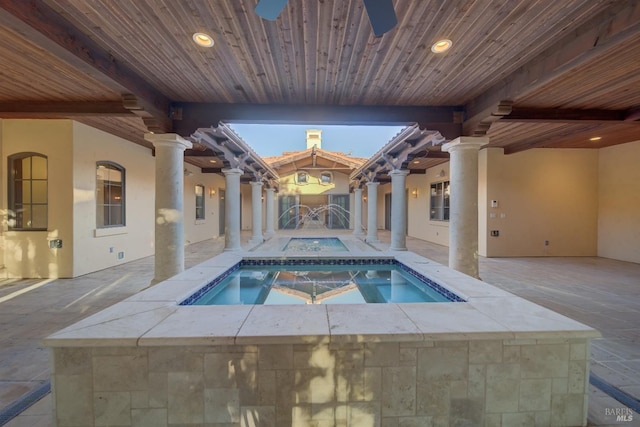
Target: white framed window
pixel 110 195
pixel 199 190
pixel 439 209
pixel 28 192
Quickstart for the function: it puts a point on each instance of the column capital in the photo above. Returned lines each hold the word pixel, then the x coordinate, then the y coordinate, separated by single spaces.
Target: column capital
pixel 256 183
pixel 466 143
pixel 168 140
pixel 372 183
pixel 232 171
pixel 399 172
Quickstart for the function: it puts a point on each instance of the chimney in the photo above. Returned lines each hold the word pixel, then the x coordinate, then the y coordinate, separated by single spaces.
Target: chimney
pixel 314 138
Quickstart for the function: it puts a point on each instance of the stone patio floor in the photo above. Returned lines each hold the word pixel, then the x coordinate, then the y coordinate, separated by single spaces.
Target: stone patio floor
pixel 599 292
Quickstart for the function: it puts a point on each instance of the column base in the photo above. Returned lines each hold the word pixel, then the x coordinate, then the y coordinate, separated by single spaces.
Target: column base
pixel 256 239
pixel 232 249
pixel 398 249
pixel 371 240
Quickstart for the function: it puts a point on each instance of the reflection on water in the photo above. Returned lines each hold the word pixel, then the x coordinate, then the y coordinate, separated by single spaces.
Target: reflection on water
pixel 319 285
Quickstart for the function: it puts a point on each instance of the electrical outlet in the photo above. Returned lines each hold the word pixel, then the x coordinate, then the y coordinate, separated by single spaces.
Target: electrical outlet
pixel 120 255
pixel 495 233
pixel 55 244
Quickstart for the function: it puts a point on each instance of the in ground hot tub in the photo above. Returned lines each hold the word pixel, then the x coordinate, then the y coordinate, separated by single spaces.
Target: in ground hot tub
pixel 492 359
pixel 286 281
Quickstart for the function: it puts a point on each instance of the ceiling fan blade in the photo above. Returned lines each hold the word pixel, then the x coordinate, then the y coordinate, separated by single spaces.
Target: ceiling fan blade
pixel 381 15
pixel 269 9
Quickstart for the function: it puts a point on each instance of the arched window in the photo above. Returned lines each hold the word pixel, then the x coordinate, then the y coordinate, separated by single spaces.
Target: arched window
pixel 110 201
pixel 28 191
pixel 326 178
pixel 302 178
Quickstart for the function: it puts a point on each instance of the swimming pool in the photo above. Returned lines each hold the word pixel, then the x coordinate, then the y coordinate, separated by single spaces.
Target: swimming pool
pixel 315 244
pixel 320 281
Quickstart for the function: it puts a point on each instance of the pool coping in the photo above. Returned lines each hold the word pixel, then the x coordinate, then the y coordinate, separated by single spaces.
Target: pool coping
pixel 153 317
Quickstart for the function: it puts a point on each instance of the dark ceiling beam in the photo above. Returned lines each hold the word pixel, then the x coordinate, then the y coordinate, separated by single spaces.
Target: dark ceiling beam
pixel 191 116
pixel 207 152
pixel 36 109
pixel 46 28
pixel 479 125
pixel 211 170
pixel 605 31
pixel 550 115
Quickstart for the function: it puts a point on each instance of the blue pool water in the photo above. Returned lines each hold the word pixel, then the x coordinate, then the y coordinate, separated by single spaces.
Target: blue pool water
pixel 315 244
pixel 318 282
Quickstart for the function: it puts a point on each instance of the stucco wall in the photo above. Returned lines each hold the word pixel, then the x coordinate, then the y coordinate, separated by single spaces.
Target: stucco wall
pixel 420 225
pixel 27 253
pixel 288 185
pixel 96 249
pixel 619 206
pixel 198 230
pixel 542 195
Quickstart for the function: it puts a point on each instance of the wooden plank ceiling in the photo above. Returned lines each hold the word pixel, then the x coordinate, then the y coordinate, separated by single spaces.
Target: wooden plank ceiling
pixel 528 73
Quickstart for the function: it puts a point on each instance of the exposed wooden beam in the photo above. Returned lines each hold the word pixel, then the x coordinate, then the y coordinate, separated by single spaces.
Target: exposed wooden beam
pixel 33 109
pixel 207 152
pixel 46 28
pixel 605 31
pixel 191 116
pixel 564 115
pixel 480 125
pixel 211 170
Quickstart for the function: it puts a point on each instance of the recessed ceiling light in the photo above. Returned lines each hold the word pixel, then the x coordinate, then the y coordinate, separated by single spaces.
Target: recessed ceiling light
pixel 595 138
pixel 202 39
pixel 212 161
pixel 416 161
pixel 441 46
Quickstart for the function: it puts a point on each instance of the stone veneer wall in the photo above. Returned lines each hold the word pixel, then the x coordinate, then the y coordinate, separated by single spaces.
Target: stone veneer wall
pixel 392 384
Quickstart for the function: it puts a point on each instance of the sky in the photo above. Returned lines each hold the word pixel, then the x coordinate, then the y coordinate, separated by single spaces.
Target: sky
pixel 272 140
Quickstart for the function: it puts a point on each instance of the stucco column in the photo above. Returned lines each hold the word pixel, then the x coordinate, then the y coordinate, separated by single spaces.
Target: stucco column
pixel 232 209
pixel 256 212
pixel 398 210
pixel 357 212
pixel 463 202
pixel 372 212
pixel 169 195
pixel 269 201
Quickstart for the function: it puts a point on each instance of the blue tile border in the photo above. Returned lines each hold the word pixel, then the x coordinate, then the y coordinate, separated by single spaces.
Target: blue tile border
pixel 196 295
pixel 449 295
pixel 24 402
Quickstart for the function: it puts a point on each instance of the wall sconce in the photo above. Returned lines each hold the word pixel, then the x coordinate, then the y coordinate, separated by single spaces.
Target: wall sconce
pixel 364 199
pixel 414 193
pixel 212 192
pixel 442 173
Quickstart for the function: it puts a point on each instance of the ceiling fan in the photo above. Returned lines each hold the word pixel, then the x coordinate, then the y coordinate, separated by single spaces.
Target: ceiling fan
pixel 381 13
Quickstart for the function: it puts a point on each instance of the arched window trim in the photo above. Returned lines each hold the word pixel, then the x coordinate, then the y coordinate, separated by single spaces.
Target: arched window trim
pixel 12 190
pixel 112 165
pixel 308 175
pixel 330 174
